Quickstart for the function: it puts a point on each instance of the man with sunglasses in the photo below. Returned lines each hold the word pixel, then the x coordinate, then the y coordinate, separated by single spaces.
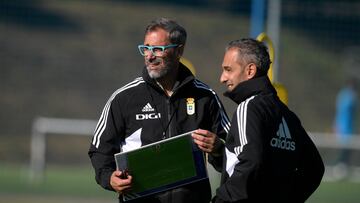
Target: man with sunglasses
pixel 164 102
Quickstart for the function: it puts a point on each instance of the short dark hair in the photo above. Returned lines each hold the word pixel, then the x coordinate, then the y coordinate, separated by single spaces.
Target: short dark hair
pixel 177 33
pixel 252 51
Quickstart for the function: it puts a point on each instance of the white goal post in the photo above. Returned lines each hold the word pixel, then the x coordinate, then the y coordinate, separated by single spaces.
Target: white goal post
pixel 58 126
pixel 84 127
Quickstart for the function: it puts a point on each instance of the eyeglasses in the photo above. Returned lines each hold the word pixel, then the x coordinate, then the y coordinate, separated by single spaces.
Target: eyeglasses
pixel 155 50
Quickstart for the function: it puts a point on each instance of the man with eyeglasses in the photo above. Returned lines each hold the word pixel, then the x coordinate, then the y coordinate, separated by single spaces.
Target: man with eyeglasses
pixel 164 102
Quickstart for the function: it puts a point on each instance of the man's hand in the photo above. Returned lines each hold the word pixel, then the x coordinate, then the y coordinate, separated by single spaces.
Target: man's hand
pixel 120 182
pixel 207 141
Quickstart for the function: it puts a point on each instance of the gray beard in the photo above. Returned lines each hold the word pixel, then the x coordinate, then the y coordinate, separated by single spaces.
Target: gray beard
pixel 162 73
pixel 169 66
pixel 158 74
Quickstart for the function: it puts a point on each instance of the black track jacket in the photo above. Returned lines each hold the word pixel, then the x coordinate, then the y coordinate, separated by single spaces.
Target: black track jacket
pixel 140 113
pixel 269 156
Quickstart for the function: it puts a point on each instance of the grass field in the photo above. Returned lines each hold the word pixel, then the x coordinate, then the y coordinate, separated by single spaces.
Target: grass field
pixel 61 184
pixel 76 184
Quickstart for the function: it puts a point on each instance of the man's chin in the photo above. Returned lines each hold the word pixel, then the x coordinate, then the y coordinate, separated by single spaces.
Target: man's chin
pixel 154 74
pixel 229 89
pixel 157 73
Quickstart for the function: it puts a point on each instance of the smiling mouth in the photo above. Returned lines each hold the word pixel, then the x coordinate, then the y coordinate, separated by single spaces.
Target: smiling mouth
pixel 153 65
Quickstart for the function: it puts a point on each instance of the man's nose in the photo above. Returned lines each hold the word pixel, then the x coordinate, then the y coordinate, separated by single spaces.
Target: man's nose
pixel 222 78
pixel 150 55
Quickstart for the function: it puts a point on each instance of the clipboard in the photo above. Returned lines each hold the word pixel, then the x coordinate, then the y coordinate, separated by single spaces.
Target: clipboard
pixel 162 165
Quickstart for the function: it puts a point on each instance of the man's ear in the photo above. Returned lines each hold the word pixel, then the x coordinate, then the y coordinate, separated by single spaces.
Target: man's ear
pixel 251 70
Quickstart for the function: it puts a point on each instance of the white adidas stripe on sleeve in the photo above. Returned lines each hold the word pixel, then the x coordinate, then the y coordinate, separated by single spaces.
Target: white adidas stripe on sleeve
pixel 101 125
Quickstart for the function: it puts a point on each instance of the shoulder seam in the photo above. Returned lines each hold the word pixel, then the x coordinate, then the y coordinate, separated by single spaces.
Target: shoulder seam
pixel 101 125
pixel 225 122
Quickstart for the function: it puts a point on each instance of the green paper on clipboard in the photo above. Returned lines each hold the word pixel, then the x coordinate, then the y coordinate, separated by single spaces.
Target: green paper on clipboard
pixel 162 165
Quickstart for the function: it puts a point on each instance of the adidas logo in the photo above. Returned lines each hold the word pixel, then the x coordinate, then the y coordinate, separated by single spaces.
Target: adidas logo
pixel 145 115
pixel 147 108
pixel 283 139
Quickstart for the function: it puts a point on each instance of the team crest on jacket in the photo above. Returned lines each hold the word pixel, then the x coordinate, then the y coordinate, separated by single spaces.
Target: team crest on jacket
pixel 190 106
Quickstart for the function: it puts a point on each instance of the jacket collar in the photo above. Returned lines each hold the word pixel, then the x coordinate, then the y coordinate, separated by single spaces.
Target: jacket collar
pixel 184 77
pixel 246 89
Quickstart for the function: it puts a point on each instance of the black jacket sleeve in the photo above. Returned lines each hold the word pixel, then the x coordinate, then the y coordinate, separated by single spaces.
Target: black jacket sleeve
pixel 106 142
pixel 244 155
pixel 311 167
pixel 220 126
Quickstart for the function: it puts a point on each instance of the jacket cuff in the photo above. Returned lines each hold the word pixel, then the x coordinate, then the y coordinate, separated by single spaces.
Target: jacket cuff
pixel 105 180
pixel 219 146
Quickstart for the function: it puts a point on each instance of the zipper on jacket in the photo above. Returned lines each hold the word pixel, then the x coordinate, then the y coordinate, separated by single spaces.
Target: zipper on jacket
pixel 169 116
